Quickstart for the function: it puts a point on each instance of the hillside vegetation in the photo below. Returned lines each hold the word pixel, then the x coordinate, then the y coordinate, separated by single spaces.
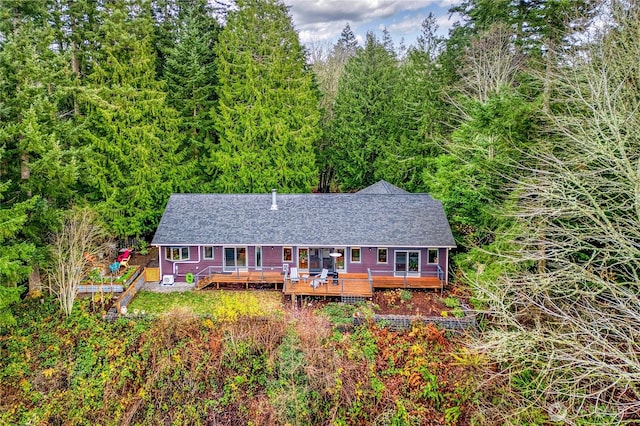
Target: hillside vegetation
pixel 182 369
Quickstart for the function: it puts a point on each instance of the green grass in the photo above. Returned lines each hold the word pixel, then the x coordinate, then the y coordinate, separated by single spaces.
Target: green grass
pixel 223 305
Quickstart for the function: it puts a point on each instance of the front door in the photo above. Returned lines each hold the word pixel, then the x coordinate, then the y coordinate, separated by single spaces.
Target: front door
pixel 407 263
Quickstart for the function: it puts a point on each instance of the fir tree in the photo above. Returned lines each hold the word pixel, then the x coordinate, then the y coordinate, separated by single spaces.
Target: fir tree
pixel 364 132
pixel 267 116
pixel 134 161
pixel 191 80
pixel 38 163
pixel 328 70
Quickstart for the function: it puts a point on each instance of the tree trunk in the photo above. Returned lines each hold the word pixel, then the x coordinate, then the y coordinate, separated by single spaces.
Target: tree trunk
pixel 35 283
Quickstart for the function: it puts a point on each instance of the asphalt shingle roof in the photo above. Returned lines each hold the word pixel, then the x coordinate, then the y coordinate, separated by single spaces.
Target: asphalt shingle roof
pixel 368 218
pixel 382 187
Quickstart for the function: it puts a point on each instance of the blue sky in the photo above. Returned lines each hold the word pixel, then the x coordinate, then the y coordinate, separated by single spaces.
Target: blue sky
pixel 322 21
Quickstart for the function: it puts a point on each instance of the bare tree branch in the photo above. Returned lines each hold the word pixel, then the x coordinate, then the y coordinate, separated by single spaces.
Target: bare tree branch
pixel 80 239
pixel 567 336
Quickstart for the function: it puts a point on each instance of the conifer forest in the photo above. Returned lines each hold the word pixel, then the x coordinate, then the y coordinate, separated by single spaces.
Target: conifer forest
pixel 520 121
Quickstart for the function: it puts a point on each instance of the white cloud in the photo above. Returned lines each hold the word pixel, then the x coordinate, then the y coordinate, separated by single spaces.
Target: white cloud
pixel 356 11
pixel 323 20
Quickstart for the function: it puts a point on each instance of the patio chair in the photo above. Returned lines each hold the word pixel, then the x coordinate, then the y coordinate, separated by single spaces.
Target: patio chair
pixel 320 279
pixel 125 262
pixel 294 277
pixel 93 260
pixel 125 255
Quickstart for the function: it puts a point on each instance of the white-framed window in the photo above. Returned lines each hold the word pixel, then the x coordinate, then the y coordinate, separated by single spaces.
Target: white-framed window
pixel 356 255
pixel 303 258
pixel 207 252
pixel 287 254
pixel 258 255
pixel 340 260
pixel 432 255
pixel 176 253
pixel 383 255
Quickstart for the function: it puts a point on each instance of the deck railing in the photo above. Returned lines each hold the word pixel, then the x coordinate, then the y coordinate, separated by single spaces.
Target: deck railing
pixel 257 274
pixel 331 285
pixel 126 297
pixel 438 273
pixel 278 274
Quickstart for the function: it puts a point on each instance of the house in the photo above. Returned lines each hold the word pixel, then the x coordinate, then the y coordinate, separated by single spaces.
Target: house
pixel 381 233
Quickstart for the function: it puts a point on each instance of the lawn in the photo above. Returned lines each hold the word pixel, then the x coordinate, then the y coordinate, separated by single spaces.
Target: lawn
pixel 223 305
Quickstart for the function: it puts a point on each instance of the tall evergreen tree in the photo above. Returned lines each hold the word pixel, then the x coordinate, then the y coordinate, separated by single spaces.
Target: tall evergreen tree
pixel 347 42
pixel 191 81
pixel 328 70
pixel 419 110
pixel 76 24
pixel 15 253
pixel 166 22
pixel 133 162
pixel 267 115
pixel 363 131
pixel 38 162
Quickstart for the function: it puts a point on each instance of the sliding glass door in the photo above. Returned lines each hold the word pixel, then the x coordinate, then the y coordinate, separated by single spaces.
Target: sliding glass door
pixel 235 258
pixel 407 263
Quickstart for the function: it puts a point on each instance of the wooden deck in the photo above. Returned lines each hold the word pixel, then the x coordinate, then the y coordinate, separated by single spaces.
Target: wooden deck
pixel 355 285
pixel 409 282
pixel 244 278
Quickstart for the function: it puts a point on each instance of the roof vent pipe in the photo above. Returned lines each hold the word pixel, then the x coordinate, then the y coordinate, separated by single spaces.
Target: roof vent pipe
pixel 274 206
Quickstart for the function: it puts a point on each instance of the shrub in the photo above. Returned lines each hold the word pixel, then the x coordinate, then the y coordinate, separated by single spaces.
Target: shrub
pixel 342 313
pixel 452 302
pixel 405 295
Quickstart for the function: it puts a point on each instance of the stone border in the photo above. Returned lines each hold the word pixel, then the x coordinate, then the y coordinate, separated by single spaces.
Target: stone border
pixel 403 322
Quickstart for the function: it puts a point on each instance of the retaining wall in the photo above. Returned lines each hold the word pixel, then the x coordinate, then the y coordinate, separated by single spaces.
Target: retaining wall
pixel 403 322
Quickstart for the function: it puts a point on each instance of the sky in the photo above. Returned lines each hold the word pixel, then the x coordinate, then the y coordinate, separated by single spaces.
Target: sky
pixel 322 21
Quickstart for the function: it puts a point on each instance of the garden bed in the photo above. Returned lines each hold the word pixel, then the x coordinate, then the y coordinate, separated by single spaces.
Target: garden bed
pixel 98 282
pixel 417 303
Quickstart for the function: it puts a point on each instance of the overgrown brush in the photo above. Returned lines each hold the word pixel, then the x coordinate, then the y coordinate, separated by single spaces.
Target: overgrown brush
pixel 180 368
pixel 565 326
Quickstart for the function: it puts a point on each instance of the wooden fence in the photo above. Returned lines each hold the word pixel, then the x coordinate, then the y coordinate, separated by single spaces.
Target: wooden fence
pixel 126 297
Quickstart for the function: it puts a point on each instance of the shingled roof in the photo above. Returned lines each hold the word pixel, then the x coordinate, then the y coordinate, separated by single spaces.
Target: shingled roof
pixel 378 216
pixel 382 187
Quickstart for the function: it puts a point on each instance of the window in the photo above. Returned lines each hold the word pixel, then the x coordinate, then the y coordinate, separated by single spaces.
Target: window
pixel 355 254
pixel 176 253
pixel 382 255
pixel 340 259
pixel 432 256
pixel 207 252
pixel 303 258
pixel 258 258
pixel 287 254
